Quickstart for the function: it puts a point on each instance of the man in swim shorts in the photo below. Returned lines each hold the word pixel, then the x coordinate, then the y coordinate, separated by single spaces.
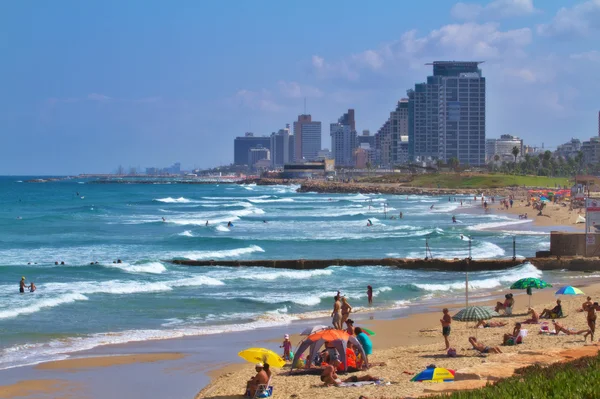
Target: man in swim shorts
pixel 446 320
pixel 22 285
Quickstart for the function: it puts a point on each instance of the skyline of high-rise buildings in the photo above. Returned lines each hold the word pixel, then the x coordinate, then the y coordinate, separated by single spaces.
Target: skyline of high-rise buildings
pixel 343 139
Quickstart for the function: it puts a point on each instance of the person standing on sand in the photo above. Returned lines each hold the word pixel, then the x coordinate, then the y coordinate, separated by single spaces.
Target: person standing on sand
pixel 370 292
pixel 337 314
pixel 346 309
pixel 446 320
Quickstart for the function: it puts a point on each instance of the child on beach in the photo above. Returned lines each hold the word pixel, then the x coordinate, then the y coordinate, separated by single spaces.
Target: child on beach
pixel 446 320
pixel 287 347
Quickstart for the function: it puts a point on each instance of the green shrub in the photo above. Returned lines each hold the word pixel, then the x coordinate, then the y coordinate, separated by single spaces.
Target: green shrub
pixel 579 379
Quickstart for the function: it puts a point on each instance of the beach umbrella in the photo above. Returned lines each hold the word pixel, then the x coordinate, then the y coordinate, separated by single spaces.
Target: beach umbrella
pixel 569 290
pixel 262 355
pixel 314 329
pixel 474 313
pixel 528 283
pixel 368 332
pixel 434 374
pixel 329 335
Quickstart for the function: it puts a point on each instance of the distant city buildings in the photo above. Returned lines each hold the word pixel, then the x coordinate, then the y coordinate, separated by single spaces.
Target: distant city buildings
pixel 307 138
pixel 242 146
pixel 448 115
pixel 174 169
pixel 343 139
pixel 503 148
pixel 257 154
pixel 570 149
pixel 282 147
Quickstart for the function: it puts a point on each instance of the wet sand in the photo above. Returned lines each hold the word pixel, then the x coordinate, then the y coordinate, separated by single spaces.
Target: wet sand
pixel 107 361
pixel 38 388
pixel 410 344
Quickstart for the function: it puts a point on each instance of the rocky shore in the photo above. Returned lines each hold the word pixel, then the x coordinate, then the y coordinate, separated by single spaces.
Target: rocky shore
pixel 397 189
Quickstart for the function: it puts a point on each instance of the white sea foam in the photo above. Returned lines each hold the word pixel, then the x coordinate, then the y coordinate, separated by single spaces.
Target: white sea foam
pixel 495 279
pixel 187 233
pixel 148 267
pixel 493 225
pixel 270 275
pixel 222 228
pixel 40 303
pixel 170 200
pixel 227 253
pixel 261 201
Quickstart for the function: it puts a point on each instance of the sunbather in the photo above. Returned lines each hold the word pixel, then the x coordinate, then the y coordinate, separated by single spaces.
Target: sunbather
pixel 330 377
pixel 535 318
pixel 586 304
pixel 261 378
pixel 491 324
pixel 482 348
pixel 511 339
pixel 560 328
pixel 552 313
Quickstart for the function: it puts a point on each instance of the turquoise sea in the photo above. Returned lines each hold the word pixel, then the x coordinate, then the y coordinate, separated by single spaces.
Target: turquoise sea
pixel 80 306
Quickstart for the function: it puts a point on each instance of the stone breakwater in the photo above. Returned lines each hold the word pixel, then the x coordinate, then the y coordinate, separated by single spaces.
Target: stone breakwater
pixel 396 189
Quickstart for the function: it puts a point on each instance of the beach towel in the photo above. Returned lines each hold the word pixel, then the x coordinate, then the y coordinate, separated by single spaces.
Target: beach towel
pixel 362 383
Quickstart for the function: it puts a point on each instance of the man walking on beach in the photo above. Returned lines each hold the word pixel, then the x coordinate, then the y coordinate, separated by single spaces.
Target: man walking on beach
pixel 446 320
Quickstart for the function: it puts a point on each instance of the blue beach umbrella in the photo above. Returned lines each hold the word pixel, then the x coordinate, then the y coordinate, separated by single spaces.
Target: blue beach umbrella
pixel 569 290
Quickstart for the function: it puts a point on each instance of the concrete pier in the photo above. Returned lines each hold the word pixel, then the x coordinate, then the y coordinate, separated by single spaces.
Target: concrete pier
pixel 457 265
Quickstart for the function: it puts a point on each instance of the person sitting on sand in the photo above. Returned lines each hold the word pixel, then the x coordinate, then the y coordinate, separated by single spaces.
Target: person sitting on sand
pixel 482 348
pixel 261 378
pixel 507 304
pixel 330 377
pixel 511 339
pixel 350 324
pixel 584 306
pixel 553 313
pixel 535 318
pixel 491 324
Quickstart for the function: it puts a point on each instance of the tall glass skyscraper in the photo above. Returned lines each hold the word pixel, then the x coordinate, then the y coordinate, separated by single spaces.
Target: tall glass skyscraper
pixel 447 115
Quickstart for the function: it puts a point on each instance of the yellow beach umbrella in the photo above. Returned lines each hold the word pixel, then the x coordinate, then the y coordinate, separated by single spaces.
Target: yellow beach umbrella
pixel 262 355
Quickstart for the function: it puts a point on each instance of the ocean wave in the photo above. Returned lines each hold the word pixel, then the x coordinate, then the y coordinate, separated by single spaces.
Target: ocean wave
pixel 149 267
pixel 222 228
pixel 171 200
pixel 496 279
pixel 271 275
pixel 39 304
pixel 226 253
pixel 187 233
pixel 493 225
pixel 261 201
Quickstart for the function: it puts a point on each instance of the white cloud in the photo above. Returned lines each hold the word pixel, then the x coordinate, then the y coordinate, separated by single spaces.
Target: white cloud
pixel 261 100
pixel 579 20
pixel 296 90
pixel 593 56
pixel 525 74
pixel 493 10
pixel 456 41
pixel 98 97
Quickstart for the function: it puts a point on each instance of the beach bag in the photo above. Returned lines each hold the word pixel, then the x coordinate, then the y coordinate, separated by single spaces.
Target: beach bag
pixel 451 352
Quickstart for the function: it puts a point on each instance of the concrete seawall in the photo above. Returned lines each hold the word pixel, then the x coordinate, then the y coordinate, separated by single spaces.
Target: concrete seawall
pixel 459 265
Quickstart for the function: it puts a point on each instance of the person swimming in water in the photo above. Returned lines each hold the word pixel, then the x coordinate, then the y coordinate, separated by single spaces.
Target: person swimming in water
pixel 163 219
pixel 431 207
pixel 32 287
pixel 453 219
pixel 369 223
pixel 206 223
pixel 22 285
pixel 229 224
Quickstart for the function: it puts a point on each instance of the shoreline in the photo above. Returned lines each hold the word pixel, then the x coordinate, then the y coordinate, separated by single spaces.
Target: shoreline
pixel 419 334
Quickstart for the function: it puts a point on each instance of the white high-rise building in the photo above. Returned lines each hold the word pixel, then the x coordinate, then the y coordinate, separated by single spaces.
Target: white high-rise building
pixel 282 145
pixel 343 139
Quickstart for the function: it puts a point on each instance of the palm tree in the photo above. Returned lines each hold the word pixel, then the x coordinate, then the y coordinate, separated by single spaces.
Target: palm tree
pixel 515 151
pixel 496 158
pixel 454 163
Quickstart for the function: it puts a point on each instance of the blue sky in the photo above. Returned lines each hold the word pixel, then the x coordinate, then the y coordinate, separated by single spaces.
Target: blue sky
pixel 89 85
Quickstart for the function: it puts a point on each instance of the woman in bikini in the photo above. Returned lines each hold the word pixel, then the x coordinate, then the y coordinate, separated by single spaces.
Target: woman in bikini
pixel 346 309
pixel 535 318
pixel 482 348
pixel 491 324
pixel 591 320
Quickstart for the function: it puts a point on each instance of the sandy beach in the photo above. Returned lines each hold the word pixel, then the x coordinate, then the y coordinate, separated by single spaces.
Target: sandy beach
pixel 408 345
